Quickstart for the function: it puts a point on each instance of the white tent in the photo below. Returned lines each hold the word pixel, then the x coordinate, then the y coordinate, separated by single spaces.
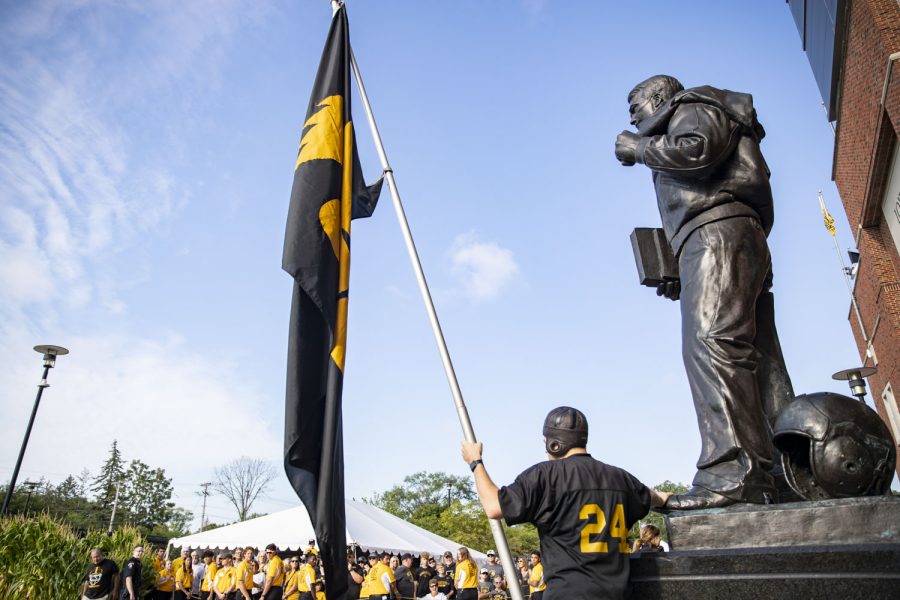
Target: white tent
pixel 367 526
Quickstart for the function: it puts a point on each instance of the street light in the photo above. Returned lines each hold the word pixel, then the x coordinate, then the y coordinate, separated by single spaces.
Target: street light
pixel 30 485
pixel 50 353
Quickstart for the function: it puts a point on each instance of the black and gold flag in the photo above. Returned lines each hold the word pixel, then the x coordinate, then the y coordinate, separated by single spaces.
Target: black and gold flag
pixel 328 193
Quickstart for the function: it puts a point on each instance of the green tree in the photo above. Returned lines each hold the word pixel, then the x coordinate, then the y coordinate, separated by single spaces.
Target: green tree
pixel 104 485
pixel 146 496
pixel 522 538
pixel 655 518
pixel 467 524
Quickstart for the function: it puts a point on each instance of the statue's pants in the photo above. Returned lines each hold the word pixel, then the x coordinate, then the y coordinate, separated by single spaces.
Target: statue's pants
pixel 732 355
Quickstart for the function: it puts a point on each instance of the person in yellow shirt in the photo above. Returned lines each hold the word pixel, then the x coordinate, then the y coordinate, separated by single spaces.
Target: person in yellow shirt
pixel 466 576
pixel 536 583
pixel 165 581
pixel 292 579
pixel 244 575
pixel 364 588
pixel 306 578
pixel 225 582
pixel 319 590
pixel 206 586
pixel 311 548
pixel 184 579
pixel 159 560
pixel 176 564
pixel 273 589
pixel 380 580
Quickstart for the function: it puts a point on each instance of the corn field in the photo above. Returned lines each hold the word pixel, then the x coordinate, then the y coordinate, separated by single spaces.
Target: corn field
pixel 42 558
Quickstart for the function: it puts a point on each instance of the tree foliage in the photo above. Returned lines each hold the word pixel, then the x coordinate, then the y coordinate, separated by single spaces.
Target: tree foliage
pixel 145 499
pixel 242 481
pixel 655 518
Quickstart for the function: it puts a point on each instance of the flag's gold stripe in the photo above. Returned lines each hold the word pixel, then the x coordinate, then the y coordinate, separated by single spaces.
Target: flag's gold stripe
pixel 339 351
pixel 330 219
pixel 323 138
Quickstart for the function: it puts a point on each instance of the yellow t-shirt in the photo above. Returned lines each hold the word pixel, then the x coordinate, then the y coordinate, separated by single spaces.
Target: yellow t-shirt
pixel 208 579
pixel 537 572
pixel 225 579
pixel 166 581
pixel 364 588
pixel 243 573
pixel 275 570
pixel 186 579
pixel 158 565
pixel 290 579
pixel 320 595
pixel 176 564
pixel 304 572
pixel 374 581
pixel 470 582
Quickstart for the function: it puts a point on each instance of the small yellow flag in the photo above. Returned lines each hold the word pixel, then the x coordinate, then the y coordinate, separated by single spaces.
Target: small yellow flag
pixel 829 220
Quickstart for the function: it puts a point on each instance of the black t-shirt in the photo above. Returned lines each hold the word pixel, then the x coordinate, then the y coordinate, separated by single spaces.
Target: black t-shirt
pixel 582 509
pixel 100 578
pixel 353 587
pixel 445 584
pixel 132 569
pixel 499 594
pixel 423 576
pixel 406 583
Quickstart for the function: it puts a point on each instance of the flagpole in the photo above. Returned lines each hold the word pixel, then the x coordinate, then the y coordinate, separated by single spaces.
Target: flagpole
pixel 837 250
pixel 462 413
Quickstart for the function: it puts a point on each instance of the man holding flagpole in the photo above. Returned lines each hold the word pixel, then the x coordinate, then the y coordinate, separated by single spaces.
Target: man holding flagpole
pixel 582 509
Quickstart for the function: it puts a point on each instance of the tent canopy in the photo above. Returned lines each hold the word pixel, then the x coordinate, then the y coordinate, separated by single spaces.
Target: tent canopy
pixel 368 526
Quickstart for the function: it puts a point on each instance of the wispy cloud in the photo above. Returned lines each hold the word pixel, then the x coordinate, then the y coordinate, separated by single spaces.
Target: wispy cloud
pixel 483 269
pixel 77 183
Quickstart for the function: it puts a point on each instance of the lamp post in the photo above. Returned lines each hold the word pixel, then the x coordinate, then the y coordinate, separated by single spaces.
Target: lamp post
pixel 30 485
pixel 50 353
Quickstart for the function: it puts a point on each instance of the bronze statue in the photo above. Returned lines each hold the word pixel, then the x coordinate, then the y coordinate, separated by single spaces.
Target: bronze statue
pixel 712 188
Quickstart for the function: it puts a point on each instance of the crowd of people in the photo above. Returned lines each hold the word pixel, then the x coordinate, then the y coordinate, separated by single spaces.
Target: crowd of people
pixel 245 574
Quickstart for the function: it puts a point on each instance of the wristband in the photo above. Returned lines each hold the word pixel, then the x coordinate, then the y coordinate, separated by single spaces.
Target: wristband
pixel 475 463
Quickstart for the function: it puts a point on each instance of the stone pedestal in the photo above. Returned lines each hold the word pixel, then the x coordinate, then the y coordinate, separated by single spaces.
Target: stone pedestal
pixel 848 548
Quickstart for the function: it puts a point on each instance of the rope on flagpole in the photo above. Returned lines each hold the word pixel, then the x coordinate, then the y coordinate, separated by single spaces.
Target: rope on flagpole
pixel 462 413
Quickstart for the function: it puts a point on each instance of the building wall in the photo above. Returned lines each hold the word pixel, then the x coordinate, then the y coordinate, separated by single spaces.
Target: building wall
pixel 867 135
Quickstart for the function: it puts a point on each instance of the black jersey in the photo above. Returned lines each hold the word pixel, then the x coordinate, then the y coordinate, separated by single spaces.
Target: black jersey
pixel 582 509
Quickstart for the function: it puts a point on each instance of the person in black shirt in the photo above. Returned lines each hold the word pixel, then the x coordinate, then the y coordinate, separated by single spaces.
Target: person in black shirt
pixel 424 574
pixel 100 580
pixel 356 575
pixel 131 575
pixel 406 581
pixel 582 509
pixel 444 581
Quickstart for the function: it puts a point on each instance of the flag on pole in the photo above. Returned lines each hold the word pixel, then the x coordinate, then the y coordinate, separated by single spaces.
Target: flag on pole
pixel 829 220
pixel 328 192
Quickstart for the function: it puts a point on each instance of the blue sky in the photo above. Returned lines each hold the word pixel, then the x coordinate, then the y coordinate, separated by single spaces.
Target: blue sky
pixel 146 155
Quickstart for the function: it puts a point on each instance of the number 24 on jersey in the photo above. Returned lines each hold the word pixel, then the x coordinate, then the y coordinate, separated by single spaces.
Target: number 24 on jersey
pixel 596 523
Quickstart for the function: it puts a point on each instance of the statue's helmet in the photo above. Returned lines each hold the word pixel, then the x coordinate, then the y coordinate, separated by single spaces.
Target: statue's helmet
pixel 565 428
pixel 833 446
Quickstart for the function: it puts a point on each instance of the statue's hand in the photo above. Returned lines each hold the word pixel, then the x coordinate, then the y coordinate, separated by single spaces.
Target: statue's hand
pixel 669 289
pixel 626 144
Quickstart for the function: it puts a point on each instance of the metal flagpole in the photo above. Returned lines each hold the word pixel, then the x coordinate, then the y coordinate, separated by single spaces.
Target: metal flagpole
pixel 837 250
pixel 462 413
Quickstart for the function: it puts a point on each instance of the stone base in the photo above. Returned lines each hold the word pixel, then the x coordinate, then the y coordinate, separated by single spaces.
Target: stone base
pixel 870 520
pixel 842 572
pixel 848 548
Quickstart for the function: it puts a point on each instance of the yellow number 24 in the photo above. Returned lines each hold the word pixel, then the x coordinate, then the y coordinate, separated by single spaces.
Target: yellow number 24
pixel 596 522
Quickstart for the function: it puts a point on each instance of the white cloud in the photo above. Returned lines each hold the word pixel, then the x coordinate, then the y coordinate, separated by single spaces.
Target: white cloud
pixel 482 268
pixel 166 403
pixel 70 82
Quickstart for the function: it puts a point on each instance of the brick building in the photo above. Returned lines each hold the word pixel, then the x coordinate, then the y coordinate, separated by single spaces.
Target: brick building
pixel 853 48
